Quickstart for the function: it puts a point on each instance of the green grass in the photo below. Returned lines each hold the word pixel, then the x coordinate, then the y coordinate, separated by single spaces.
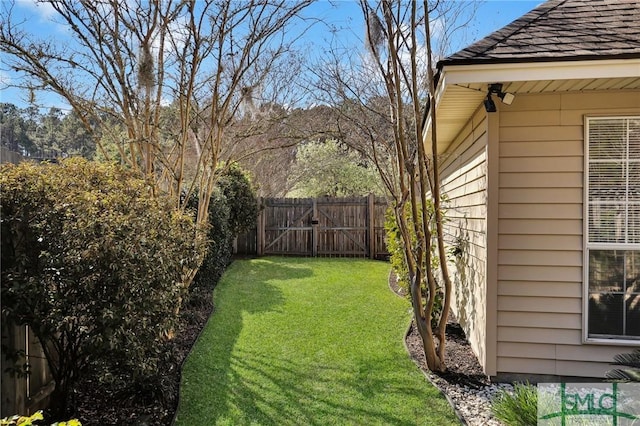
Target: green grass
pixel 301 341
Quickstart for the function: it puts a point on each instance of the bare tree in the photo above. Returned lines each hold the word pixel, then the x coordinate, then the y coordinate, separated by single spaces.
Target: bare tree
pixel 380 110
pixel 166 79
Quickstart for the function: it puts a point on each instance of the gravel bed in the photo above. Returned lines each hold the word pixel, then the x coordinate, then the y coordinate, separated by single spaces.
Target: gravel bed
pixel 472 404
pixel 465 385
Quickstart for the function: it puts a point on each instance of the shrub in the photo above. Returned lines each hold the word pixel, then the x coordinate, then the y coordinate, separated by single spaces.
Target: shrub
pixel 233 209
pixel 519 408
pixel 241 198
pixel 396 250
pixel 629 360
pixel 398 261
pixel 92 262
pixel 219 248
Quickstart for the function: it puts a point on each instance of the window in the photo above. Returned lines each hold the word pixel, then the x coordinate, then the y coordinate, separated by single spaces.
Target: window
pixel 613 227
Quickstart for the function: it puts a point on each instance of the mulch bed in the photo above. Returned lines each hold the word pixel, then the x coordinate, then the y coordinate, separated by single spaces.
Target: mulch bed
pixel 462 364
pixel 95 405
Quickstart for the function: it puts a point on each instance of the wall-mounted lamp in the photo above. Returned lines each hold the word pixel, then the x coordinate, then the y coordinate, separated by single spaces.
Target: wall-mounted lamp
pixel 496 89
pixel 489 105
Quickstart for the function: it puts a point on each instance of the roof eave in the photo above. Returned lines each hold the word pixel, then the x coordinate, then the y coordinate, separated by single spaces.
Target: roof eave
pixel 454 75
pixel 490 72
pixel 532 59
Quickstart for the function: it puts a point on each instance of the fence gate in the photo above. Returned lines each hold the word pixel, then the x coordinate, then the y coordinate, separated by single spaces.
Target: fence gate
pixel 287 226
pixel 342 226
pixel 352 227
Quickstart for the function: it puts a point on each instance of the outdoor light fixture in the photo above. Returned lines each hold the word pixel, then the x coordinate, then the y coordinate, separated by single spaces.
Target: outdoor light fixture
pixel 496 89
pixel 489 105
pixel 506 98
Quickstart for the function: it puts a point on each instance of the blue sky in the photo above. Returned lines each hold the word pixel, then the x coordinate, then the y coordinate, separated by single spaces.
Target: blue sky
pixel 343 14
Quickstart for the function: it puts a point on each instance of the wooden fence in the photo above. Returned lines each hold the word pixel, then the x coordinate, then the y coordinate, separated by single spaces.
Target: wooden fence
pixel 330 227
pixel 23 393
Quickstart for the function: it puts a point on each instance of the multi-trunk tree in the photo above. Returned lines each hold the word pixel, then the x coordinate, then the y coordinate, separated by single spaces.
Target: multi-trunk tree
pixel 174 87
pixel 384 108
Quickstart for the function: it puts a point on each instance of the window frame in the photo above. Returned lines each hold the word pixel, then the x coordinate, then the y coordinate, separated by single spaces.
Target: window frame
pixel 587 246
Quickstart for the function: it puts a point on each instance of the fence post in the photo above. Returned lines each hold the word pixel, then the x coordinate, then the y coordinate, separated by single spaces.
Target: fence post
pixel 314 229
pixel 260 237
pixel 372 226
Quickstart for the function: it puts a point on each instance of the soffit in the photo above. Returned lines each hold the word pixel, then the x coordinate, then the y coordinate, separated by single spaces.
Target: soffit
pixel 457 102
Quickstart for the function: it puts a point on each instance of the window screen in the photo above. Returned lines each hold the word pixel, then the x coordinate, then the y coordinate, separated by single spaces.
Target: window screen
pixel 613 227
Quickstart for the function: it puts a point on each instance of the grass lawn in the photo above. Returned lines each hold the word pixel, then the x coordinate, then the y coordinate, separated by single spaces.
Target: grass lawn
pixel 303 341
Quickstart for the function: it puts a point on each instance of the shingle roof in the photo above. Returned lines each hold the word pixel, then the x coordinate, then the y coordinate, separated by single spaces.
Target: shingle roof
pixel 561 30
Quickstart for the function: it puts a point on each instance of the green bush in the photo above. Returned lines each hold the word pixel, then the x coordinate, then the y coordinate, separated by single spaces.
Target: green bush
pixel 219 249
pixel 93 263
pixel 233 209
pixel 519 408
pixel 395 245
pixel 241 198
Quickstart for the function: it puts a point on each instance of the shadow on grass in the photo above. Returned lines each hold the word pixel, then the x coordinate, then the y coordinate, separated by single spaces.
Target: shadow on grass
pixel 298 393
pixel 206 375
pixel 226 383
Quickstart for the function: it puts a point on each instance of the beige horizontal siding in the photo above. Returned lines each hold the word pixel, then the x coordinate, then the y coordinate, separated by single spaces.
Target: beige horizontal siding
pixel 602 102
pixel 464 178
pixel 540 273
pixel 570 360
pixel 592 353
pixel 558 134
pixel 560 352
pixel 539 288
pixel 533 350
pixel 541 211
pixel 464 173
pixel 583 368
pixel 541 164
pixel 554 226
pixel 464 188
pixel 540 195
pixel 561 179
pixel 534 319
pixel 473 224
pixel 539 335
pixel 535 258
pixel 576 117
pixel 537 103
pixel 526 366
pixel 540 304
pixel 525 118
pixel 540 149
pixel 473 198
pixel 540 242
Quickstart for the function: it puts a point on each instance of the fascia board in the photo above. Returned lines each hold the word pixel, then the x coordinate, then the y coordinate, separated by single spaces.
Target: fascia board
pixel 534 71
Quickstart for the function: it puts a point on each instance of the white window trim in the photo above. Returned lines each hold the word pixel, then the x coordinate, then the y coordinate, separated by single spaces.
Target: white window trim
pixel 586 245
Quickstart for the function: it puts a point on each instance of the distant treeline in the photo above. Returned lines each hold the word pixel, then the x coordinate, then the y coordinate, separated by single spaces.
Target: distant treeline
pixel 53 134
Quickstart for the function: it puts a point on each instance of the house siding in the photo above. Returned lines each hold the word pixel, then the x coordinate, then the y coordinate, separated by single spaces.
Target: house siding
pixel 464 183
pixel 540 234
